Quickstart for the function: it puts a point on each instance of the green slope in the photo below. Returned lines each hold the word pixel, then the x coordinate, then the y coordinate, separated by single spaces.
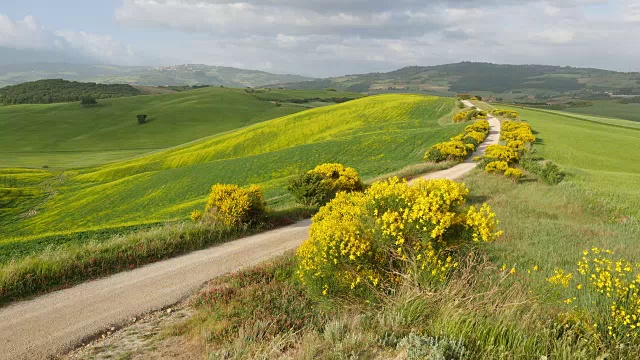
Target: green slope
pixel 68 135
pixel 374 134
pixel 601 154
pixel 609 108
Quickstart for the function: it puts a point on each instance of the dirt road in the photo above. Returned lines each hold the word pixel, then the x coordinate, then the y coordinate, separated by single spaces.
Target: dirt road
pixel 51 324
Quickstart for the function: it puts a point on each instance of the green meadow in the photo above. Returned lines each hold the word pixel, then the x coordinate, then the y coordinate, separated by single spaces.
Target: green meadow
pixel 68 135
pixel 609 109
pixel 600 155
pixel 376 135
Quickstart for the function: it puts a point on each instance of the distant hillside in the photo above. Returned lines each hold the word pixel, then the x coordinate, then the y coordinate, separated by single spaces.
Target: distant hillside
pixel 58 90
pixel 69 135
pixel 524 82
pixel 178 75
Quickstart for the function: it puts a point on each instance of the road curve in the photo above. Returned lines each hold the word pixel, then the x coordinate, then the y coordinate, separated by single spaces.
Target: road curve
pixel 51 324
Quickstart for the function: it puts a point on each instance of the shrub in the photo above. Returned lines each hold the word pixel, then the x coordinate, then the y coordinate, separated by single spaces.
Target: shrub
pixel 469 115
pixel 142 118
pixel 460 145
pixel 478 136
pixel 516 145
pixel 310 189
pixel 511 114
pixel 498 167
pixel 604 281
pixel 231 205
pixel 516 131
pixel 316 187
pixel 339 177
pixel 550 173
pixel 513 174
pixel 88 101
pixel 419 347
pixel 481 126
pixel 364 241
pixel 501 152
pixel 449 150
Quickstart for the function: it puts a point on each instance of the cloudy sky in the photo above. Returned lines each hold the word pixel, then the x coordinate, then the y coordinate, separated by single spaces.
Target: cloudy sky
pixel 329 37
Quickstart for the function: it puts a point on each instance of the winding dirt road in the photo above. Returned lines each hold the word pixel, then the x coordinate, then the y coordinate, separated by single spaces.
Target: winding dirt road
pixel 54 323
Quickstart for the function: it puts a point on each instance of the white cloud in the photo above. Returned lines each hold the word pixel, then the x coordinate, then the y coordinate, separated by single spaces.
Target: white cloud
pixel 333 37
pixel 98 46
pixel 29 34
pixel 22 34
pixel 554 36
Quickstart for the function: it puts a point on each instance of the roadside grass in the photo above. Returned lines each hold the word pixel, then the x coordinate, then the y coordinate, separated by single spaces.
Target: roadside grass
pixel 376 135
pixel 68 135
pixel 600 157
pixel 264 312
pixel 99 254
pixel 485 311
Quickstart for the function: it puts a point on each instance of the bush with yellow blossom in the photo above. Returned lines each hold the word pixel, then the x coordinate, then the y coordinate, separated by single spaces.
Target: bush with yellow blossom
pixel 316 187
pixel 359 242
pixel 608 283
pixel 469 115
pixel 232 205
pixel 461 145
pixel 511 114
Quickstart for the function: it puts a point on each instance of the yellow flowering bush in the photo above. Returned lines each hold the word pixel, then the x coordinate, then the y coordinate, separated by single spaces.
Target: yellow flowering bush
pixel 476 135
pixel 504 153
pixel 513 174
pixel 496 167
pixel 232 205
pixel 461 145
pixel 363 241
pixel 602 281
pixel 505 113
pixel 316 187
pixel 512 130
pixel 469 115
pixel 481 126
pixel 339 176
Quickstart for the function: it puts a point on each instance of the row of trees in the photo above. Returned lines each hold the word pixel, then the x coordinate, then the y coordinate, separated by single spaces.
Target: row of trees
pixel 58 90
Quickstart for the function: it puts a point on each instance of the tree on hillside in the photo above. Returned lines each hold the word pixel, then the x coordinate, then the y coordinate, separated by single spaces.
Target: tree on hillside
pixel 142 118
pixel 88 101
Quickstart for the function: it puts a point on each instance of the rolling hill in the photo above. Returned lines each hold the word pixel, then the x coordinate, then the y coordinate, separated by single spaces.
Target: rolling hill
pixel 188 74
pixel 69 135
pixel 375 134
pixel 58 90
pixel 600 154
pixel 510 82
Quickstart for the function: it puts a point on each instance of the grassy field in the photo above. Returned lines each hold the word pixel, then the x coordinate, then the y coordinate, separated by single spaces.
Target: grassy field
pixel 609 109
pixel 375 134
pixel 498 307
pixel 69 135
pixel 599 154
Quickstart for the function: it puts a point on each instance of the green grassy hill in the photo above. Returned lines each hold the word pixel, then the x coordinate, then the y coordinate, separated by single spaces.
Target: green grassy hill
pixel 609 109
pixel 16 70
pixel 601 154
pixel 375 134
pixel 521 83
pixel 69 135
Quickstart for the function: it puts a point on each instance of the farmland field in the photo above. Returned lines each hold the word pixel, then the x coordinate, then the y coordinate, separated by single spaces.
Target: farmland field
pixel 376 135
pixel 600 154
pixel 609 109
pixel 69 135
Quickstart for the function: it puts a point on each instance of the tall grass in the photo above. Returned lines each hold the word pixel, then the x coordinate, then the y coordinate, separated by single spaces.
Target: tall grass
pixel 480 314
pixel 74 262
